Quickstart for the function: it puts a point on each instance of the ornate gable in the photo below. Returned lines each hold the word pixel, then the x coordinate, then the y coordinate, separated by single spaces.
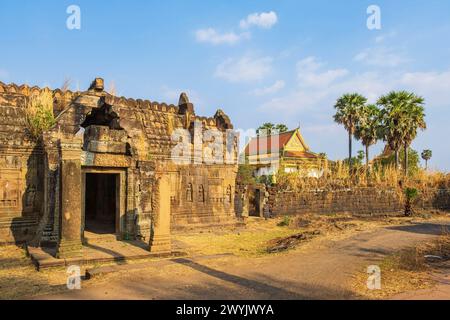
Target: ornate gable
pixel 296 143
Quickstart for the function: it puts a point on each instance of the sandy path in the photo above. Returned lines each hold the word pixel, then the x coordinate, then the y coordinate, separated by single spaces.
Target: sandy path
pixel 321 273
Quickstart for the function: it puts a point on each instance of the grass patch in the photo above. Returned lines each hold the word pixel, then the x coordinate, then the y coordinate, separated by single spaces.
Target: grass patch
pixel 250 242
pixel 258 235
pixel 19 278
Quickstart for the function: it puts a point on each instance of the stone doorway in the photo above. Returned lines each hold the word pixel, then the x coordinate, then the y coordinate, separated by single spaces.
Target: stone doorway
pixel 102 195
pixel 103 203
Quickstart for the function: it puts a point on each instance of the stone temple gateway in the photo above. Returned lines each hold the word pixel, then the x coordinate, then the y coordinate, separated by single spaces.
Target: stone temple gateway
pixel 106 168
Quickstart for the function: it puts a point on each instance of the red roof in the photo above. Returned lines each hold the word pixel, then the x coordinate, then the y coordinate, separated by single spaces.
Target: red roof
pixel 263 144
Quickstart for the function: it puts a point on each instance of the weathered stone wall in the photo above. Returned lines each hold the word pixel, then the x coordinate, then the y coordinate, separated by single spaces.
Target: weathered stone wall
pixel 357 201
pixel 21 172
pixel 132 137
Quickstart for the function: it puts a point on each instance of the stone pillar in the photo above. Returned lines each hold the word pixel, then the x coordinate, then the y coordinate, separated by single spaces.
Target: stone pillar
pixel 69 244
pixel 160 241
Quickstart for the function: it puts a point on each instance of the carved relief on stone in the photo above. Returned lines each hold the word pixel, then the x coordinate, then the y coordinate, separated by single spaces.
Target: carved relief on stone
pixel 229 195
pixel 201 194
pixel 9 190
pixel 10 162
pixel 30 196
pixel 189 193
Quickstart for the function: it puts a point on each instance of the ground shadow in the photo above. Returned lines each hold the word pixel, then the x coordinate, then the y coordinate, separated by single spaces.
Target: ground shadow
pixel 424 228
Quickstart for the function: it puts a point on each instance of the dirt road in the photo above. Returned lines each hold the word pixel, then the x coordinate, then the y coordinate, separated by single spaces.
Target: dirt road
pixel 324 272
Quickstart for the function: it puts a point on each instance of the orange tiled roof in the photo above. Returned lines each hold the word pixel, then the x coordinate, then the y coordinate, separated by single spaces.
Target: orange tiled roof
pixel 263 144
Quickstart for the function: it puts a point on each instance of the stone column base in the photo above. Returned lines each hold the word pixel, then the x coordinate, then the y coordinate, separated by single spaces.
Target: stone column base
pixel 69 249
pixel 161 244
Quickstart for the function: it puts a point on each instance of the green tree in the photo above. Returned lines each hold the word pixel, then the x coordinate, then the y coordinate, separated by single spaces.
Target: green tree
pixel 427 155
pixel 401 116
pixel 266 128
pixel 368 128
pixel 348 108
pixel 269 128
pixel 245 174
pixel 413 159
pixel 281 128
pixel 413 121
pixel 358 160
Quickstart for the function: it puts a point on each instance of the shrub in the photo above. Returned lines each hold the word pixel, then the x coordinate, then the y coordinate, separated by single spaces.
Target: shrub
pixel 245 174
pixel 39 113
pixel 286 222
pixel 410 194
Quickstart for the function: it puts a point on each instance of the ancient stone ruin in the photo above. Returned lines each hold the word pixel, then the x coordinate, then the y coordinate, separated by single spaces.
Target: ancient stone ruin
pixel 106 167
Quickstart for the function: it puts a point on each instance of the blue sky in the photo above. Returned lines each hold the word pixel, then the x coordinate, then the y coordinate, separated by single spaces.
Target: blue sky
pixel 286 66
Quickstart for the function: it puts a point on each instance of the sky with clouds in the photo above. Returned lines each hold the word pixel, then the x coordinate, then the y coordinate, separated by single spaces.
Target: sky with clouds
pixel 281 61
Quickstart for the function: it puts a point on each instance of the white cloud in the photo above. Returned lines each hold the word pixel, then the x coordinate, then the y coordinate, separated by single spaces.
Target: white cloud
pixel 384 37
pixel 265 20
pixel 211 36
pixel 277 86
pixel 309 64
pixel 245 69
pixel 433 86
pixel 317 89
pixel 308 76
pixel 381 56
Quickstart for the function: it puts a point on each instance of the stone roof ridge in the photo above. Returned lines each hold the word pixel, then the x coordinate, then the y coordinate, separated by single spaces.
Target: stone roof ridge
pixel 141 104
pixel 207 120
pixel 26 90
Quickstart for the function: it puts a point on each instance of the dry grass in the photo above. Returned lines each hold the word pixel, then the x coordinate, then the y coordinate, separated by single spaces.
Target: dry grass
pixel 338 177
pixel 254 240
pixel 249 242
pixel 112 88
pixel 407 270
pixel 19 278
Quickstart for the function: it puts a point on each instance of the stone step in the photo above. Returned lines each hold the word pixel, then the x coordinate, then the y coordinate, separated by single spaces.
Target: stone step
pixel 90 238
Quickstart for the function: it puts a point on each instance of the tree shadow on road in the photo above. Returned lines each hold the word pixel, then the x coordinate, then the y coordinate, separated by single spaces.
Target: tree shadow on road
pixel 435 229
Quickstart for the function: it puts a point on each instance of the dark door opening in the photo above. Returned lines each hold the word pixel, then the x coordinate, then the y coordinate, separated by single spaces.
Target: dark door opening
pixel 101 203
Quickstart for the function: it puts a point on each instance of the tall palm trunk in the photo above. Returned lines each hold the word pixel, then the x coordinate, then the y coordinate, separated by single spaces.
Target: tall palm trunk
pixel 396 159
pixel 350 162
pixel 405 164
pixel 367 158
pixel 426 165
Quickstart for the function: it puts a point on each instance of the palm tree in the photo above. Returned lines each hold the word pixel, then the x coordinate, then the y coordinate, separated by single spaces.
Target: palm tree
pixel 348 108
pixel 281 128
pixel 414 119
pixel 368 128
pixel 391 120
pixel 402 115
pixel 427 155
pixel 266 128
